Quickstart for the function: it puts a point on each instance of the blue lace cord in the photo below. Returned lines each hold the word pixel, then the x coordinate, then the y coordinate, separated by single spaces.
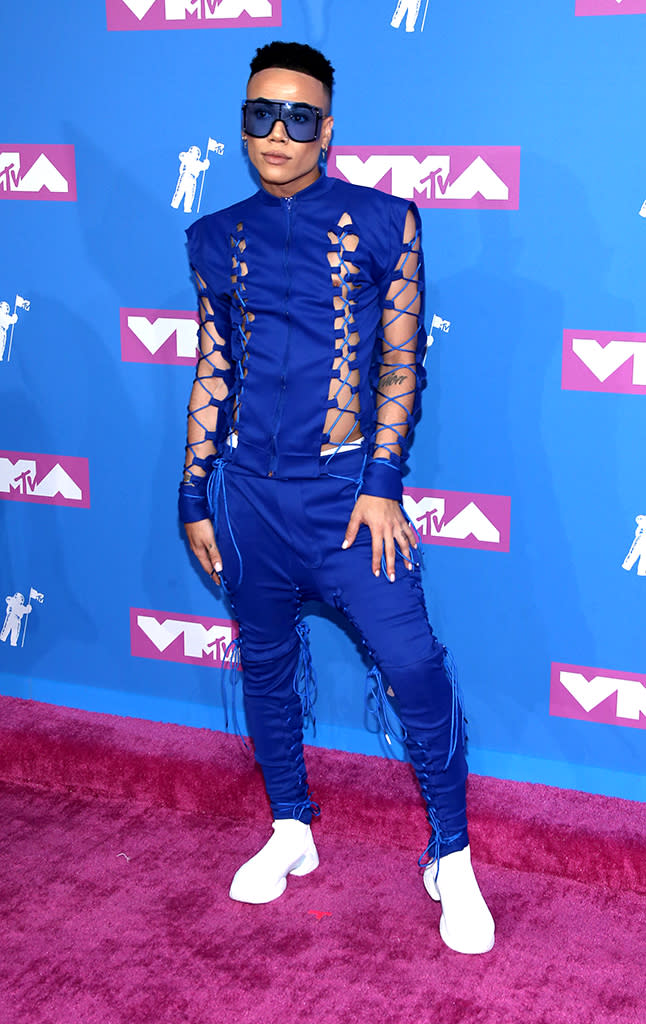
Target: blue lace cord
pixel 230 674
pixel 286 809
pixel 216 487
pixel 413 347
pixel 431 854
pixel 243 316
pixel 458 720
pixel 343 333
pixel 305 685
pixel 416 553
pixel 212 350
pixel 378 705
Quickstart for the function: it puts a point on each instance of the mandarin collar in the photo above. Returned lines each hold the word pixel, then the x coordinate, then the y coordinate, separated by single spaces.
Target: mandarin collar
pixel 313 191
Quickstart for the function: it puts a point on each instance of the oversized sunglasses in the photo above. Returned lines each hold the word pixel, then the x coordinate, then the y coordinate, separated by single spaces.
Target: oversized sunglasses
pixel 302 121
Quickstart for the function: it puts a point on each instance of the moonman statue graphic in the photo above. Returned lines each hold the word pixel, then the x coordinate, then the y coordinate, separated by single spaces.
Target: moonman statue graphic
pixel 7 318
pixel 16 609
pixel 190 168
pixel 637 551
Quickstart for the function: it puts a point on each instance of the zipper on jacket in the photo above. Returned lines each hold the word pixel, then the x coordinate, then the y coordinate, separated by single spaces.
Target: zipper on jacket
pixel 280 404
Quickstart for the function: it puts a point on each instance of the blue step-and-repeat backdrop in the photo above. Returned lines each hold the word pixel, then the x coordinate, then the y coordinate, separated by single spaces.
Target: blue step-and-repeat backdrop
pixel 518 130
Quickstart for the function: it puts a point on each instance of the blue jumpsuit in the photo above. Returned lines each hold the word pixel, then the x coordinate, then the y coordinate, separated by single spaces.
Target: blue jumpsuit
pixel 306 393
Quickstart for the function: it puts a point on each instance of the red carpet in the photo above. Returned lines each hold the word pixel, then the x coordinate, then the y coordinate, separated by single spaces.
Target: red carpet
pixel 150 937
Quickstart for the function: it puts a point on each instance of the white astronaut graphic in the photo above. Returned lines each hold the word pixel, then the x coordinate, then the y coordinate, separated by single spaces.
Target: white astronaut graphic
pixel 190 168
pixel 637 551
pixel 411 9
pixel 7 319
pixel 16 610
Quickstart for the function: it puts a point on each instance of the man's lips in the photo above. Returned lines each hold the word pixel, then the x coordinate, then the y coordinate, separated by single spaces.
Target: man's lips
pixel 275 158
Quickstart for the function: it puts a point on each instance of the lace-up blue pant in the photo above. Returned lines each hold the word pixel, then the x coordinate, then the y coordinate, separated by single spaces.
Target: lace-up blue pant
pixel 280 542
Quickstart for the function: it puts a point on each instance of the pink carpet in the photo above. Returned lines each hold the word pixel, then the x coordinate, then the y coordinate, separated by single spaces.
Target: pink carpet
pixel 120 838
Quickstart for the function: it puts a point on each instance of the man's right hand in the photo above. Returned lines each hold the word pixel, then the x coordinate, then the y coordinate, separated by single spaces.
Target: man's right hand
pixel 202 540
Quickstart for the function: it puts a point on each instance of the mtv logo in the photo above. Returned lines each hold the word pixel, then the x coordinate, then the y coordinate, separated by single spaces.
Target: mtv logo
pixel 460 519
pixel 166 336
pixel 604 361
pixel 37 172
pixel 133 15
pixel 190 639
pixel 598 695
pixel 45 479
pixel 453 177
pixel 585 7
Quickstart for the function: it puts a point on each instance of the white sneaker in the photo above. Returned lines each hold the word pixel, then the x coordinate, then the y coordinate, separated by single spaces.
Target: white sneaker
pixel 466 925
pixel 290 851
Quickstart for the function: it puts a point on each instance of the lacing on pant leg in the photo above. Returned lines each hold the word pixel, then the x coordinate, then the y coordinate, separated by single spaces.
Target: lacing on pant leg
pixel 305 685
pixel 379 706
pixel 376 697
pixel 431 854
pixel 458 720
pixel 307 806
pixel 229 678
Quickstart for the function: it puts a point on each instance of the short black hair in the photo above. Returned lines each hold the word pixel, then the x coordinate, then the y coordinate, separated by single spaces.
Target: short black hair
pixel 295 57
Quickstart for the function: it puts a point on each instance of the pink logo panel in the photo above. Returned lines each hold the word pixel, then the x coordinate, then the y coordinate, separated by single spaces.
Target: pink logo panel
pixel 604 361
pixel 37 172
pixel 45 479
pixel 459 519
pixel 598 695
pixel 450 177
pixel 139 15
pixel 158 336
pixel 610 7
pixel 191 639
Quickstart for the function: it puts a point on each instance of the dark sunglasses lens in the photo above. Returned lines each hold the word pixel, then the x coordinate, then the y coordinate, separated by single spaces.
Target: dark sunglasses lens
pixel 259 118
pixel 301 123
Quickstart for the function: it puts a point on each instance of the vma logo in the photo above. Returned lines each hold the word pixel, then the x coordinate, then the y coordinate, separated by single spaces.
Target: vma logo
pixel 158 336
pixel 454 177
pixel 45 479
pixel 598 695
pixel 603 361
pixel 459 519
pixel 37 172
pixel 584 7
pixel 190 639
pixel 129 15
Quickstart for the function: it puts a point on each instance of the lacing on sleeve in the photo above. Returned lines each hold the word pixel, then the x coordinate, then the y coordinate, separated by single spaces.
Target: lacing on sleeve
pixel 209 407
pixel 398 373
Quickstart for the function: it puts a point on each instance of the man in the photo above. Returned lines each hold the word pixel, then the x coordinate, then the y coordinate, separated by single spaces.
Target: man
pixel 307 387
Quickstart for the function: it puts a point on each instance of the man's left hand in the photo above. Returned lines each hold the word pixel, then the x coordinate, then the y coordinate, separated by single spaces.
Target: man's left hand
pixel 388 526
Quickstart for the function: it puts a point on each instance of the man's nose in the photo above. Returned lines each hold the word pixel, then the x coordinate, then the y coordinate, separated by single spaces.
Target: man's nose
pixel 278 132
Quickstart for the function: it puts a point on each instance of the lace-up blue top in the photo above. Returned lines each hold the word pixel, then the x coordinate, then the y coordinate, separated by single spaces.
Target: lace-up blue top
pixel 311 337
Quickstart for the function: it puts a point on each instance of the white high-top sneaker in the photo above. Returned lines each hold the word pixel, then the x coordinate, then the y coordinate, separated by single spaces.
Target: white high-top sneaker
pixel 466 925
pixel 290 851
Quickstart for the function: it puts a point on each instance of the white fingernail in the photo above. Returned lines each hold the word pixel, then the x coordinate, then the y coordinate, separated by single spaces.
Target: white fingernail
pixel 392 577
pixel 218 567
pixel 344 545
pixel 377 572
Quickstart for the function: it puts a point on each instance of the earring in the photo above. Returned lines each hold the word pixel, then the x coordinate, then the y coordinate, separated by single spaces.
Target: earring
pixel 244 142
pixel 324 152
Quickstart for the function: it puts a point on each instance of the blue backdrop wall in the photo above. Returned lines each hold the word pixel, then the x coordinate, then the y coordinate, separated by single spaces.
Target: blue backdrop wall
pixel 527 473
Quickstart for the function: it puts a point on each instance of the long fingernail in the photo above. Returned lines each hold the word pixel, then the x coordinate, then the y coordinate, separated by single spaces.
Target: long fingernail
pixel 392 577
pixel 377 572
pixel 344 545
pixel 218 567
